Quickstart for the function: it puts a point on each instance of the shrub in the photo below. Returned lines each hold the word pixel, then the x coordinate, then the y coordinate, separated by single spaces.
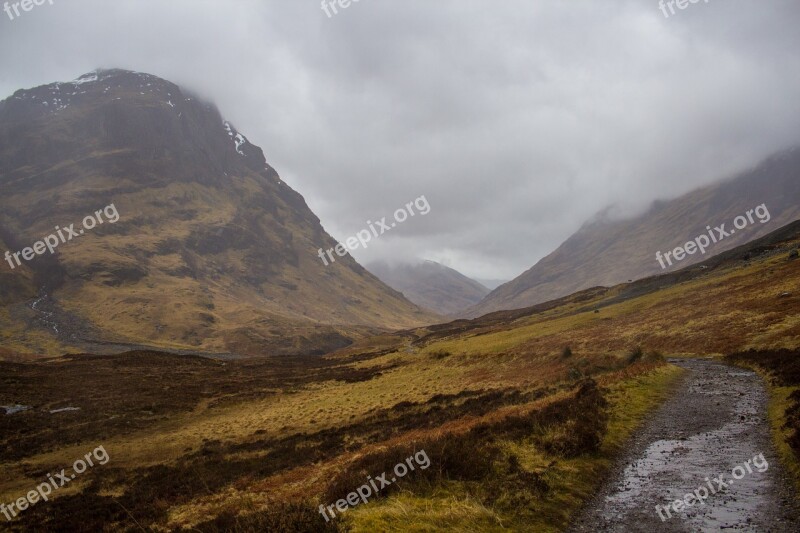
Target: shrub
pixel 453 457
pixel 514 491
pixel 568 427
pixel 284 517
pixel 440 354
pixel 583 422
pixel 654 357
pixel 634 355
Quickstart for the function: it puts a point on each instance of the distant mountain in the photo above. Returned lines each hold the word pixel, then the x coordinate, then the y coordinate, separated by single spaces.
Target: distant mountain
pixel 491 284
pixel 212 250
pixel 431 285
pixel 606 252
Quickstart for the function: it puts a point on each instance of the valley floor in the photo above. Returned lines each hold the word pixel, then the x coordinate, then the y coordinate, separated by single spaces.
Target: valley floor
pixel 521 415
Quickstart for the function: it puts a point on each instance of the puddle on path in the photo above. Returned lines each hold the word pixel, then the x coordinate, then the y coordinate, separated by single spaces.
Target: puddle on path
pixel 13 409
pixel 715 422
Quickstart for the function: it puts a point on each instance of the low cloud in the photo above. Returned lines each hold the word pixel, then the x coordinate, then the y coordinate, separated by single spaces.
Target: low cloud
pixel 518 120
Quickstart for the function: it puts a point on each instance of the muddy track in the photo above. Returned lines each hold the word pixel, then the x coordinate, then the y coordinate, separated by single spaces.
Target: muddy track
pixel 715 421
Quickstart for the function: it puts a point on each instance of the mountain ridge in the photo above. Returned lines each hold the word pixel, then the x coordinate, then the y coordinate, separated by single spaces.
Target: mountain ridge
pixel 605 252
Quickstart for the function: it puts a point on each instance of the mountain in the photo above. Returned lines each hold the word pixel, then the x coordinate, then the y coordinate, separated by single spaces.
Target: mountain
pixel 605 252
pixel 431 285
pixel 211 251
pixel 491 284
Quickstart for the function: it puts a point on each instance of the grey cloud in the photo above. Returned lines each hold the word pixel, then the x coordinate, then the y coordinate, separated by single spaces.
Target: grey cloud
pixel 518 120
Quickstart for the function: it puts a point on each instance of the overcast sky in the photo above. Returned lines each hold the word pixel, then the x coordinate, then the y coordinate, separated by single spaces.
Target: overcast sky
pixel 517 119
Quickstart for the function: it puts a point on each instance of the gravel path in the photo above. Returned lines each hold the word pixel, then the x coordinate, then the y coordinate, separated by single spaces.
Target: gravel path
pixel 715 422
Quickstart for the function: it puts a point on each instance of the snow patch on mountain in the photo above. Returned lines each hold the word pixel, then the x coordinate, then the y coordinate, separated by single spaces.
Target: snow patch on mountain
pixel 238 139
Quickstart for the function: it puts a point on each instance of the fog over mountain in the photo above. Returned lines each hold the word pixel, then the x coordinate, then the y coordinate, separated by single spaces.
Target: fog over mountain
pixel 554 110
pixel 605 252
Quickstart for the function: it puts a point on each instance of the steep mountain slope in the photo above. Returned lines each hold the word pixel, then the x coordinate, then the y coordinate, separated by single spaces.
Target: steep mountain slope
pixel 605 252
pixel 211 250
pixel 431 285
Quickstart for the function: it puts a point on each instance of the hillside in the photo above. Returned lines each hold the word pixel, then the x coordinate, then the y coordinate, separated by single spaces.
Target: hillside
pixel 431 285
pixel 517 432
pixel 606 252
pixel 491 284
pixel 211 251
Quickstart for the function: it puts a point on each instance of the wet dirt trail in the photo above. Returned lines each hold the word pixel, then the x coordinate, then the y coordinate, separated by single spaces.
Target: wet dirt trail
pixel 715 421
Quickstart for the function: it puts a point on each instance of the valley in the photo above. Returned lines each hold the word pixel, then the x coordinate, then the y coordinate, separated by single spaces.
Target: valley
pixel 520 431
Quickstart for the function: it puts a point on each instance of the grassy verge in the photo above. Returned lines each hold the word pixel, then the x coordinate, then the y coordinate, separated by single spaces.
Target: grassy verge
pixel 780 403
pixel 499 502
pixel 781 372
